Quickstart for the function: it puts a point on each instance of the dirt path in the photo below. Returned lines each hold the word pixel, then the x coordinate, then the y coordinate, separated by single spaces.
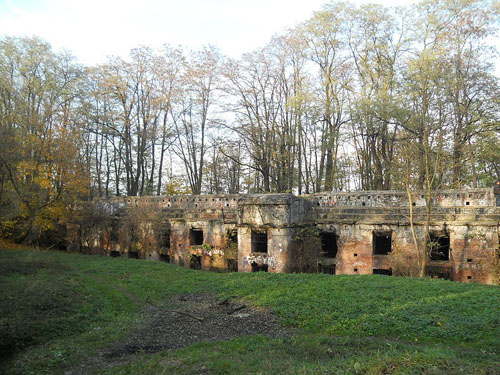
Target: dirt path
pixel 168 330
pixel 182 321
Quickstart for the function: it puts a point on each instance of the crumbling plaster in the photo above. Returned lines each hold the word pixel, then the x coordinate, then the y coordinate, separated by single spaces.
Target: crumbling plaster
pixel 469 217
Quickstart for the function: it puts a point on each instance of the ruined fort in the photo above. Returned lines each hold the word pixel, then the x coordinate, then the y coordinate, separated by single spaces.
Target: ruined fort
pixel 343 233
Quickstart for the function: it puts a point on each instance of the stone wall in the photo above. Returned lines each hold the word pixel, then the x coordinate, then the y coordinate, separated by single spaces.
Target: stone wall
pixel 360 232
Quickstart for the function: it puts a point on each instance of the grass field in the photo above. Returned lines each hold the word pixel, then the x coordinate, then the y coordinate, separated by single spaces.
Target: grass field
pixel 58 310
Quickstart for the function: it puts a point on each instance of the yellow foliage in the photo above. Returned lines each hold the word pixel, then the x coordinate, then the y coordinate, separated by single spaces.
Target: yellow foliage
pixel 176 186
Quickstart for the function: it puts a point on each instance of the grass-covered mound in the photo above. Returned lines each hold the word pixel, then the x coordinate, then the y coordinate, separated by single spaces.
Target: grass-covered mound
pixel 59 310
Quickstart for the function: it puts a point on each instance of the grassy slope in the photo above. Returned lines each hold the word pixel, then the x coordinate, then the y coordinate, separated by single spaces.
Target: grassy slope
pixel 57 309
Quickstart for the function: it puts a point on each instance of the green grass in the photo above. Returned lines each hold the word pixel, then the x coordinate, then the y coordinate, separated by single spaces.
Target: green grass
pixel 58 309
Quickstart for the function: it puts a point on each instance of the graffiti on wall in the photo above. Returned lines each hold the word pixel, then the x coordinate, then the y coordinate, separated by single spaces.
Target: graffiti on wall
pixel 260 260
pixel 211 252
pixel 207 251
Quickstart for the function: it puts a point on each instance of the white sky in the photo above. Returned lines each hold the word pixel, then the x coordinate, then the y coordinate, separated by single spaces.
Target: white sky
pixel 95 29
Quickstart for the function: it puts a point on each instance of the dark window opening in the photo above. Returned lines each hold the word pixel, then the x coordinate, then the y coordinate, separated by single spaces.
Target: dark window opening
pixel 165 258
pixel 378 271
pixel 195 237
pixel 437 272
pixel 195 262
pixel 382 243
pixel 259 242
pixel 469 277
pixel 439 246
pixel 165 239
pixel 232 265
pixel 355 254
pixel 259 267
pixel 114 254
pixel 232 237
pixel 355 270
pixel 133 254
pixel 327 268
pixel 467 203
pixel 329 246
pixel 113 235
pixel 469 260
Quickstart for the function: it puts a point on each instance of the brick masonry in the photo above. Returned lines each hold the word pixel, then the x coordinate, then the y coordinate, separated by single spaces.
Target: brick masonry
pixel 361 232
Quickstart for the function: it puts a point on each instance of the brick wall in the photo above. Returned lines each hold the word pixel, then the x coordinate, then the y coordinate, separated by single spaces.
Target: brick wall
pixel 231 231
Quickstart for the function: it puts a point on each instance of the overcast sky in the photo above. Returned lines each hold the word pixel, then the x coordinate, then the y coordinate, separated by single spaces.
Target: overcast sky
pixel 95 29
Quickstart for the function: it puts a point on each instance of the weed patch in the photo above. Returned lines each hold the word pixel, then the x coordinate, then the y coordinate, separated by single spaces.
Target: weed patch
pixel 58 310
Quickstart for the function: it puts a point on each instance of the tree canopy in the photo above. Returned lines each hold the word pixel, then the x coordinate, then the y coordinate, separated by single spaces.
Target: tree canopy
pixel 354 98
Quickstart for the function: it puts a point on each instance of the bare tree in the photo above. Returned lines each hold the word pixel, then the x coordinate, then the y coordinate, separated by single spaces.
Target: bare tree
pixel 193 118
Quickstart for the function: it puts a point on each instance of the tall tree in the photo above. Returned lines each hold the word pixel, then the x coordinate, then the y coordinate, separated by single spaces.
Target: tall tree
pixel 324 33
pixel 38 150
pixel 471 88
pixel 193 118
pixel 377 40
